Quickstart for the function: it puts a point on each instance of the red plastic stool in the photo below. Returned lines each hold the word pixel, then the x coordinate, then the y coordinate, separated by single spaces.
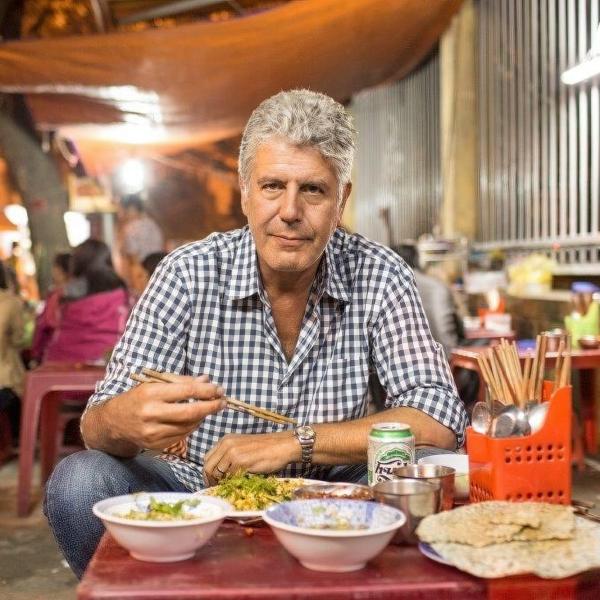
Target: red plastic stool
pixel 49 383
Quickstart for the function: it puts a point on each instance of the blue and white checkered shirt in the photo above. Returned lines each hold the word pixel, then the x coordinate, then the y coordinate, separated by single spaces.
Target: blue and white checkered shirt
pixel 205 312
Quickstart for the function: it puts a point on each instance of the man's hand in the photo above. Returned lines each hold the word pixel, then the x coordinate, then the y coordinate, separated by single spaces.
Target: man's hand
pixel 256 453
pixel 151 415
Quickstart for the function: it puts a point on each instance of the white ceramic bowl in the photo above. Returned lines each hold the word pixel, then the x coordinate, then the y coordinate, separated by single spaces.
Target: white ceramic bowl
pixel 298 525
pixel 162 541
pixel 460 463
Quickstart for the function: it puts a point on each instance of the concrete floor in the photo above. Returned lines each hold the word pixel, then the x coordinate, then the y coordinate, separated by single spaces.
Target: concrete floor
pixel 32 568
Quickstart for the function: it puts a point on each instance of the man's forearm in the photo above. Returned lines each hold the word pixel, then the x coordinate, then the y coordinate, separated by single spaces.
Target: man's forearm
pixel 347 442
pixel 98 433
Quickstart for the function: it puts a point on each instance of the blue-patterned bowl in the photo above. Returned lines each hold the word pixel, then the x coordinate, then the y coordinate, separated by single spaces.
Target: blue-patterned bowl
pixel 334 535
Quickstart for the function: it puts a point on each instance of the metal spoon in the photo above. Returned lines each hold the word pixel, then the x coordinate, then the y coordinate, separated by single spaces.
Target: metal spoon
pixel 481 418
pixel 536 415
pixel 512 421
pixel 522 425
pixel 504 424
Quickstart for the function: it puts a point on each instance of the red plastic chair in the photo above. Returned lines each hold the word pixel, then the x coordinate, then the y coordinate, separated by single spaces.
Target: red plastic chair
pixel 47 387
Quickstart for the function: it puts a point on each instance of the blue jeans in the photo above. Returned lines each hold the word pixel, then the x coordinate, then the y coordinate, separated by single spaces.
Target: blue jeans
pixel 84 478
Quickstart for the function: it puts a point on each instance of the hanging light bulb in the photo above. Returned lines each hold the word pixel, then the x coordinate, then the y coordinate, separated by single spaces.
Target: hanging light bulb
pixel 132 176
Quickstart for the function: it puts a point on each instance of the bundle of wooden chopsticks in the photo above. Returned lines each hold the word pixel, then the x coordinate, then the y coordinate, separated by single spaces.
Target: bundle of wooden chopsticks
pixel 510 383
pixel 150 376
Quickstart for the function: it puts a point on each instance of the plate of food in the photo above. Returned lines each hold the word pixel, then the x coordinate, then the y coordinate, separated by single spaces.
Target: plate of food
pixel 251 494
pixel 501 539
pixel 430 553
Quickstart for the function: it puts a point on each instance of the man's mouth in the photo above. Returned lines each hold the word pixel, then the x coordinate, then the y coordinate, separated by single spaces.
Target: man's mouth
pixel 285 240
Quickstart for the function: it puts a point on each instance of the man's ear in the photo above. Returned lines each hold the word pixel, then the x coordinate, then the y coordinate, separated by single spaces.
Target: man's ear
pixel 244 196
pixel 342 205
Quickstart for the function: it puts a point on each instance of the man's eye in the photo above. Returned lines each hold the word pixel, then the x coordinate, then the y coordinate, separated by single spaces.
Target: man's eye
pixel 313 189
pixel 271 186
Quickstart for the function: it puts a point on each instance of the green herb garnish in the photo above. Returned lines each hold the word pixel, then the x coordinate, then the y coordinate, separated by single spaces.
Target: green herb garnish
pixel 247 491
pixel 164 511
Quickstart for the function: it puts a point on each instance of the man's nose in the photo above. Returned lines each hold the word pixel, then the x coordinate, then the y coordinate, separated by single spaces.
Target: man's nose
pixel 289 207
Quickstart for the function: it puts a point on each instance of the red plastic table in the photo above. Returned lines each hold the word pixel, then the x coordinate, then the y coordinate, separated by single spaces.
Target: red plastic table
pixel 584 361
pixel 235 566
pixel 488 334
pixel 40 384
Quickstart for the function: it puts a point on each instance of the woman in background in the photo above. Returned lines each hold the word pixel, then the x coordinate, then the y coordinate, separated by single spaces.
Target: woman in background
pixel 93 309
pixel 12 371
pixel 47 320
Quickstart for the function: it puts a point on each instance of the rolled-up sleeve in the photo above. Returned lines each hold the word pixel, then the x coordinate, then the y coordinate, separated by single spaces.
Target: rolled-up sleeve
pixel 410 365
pixel 155 336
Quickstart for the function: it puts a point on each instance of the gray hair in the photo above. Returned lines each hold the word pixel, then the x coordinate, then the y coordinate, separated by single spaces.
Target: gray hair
pixel 304 118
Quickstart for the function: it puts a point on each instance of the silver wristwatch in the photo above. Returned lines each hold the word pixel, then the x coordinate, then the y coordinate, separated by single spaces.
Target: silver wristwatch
pixel 306 435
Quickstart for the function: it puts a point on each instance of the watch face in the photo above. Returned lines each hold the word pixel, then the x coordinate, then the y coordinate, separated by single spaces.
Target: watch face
pixel 305 433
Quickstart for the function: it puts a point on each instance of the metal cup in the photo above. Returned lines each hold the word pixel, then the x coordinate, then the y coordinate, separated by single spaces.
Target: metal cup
pixel 442 476
pixel 554 338
pixel 416 499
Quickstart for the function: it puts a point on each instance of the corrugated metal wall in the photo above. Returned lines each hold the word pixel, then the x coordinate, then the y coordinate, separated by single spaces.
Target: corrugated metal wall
pixel 539 139
pixel 398 156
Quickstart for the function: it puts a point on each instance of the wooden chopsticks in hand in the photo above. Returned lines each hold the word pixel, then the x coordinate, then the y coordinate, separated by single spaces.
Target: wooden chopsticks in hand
pixel 150 376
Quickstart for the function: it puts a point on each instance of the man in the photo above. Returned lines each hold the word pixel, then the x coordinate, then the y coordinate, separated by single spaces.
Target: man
pixel 288 313
pixel 438 302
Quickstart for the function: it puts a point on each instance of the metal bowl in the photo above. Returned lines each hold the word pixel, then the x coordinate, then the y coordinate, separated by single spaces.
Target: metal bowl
pixel 443 476
pixel 415 498
pixel 345 491
pixel 589 342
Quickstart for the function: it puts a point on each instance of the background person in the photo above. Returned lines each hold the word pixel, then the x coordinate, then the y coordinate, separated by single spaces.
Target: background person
pixel 138 236
pixel 93 308
pixel 142 272
pixel 47 321
pixel 12 370
pixel 438 302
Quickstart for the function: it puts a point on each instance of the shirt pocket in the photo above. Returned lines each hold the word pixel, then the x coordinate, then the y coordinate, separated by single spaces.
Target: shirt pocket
pixel 343 392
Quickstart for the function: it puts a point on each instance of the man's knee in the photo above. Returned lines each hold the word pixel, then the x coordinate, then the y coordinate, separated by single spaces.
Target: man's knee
pixel 89 473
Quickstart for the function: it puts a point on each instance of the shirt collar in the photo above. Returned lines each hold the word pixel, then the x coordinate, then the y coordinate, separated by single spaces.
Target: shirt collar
pixel 244 273
pixel 331 276
pixel 337 280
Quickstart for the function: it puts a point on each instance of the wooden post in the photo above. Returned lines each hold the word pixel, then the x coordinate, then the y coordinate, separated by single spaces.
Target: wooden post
pixel 459 125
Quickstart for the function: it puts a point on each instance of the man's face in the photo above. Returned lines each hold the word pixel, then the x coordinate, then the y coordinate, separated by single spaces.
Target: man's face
pixel 292 206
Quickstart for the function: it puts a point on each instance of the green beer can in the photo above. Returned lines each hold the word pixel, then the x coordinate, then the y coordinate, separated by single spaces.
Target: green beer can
pixel 391 445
